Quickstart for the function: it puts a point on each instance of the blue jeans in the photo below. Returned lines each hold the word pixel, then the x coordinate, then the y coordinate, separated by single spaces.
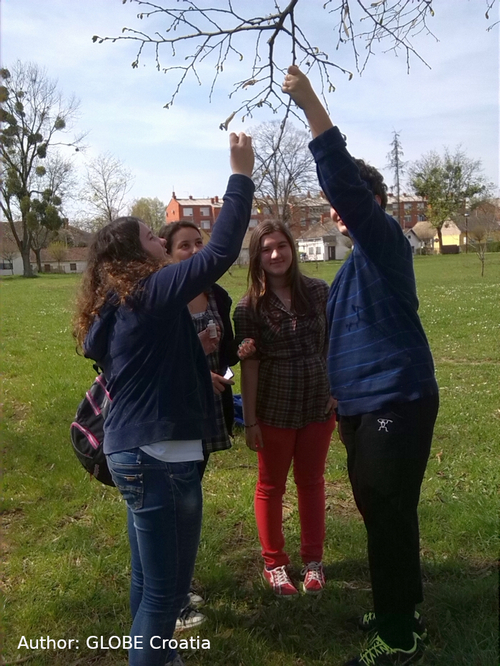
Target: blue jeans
pixel 164 506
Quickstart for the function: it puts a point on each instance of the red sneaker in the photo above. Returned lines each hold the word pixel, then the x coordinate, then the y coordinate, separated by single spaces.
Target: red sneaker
pixel 280 582
pixel 314 578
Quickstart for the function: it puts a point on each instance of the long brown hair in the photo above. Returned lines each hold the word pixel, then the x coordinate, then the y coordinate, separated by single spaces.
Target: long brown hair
pixel 258 291
pixel 117 263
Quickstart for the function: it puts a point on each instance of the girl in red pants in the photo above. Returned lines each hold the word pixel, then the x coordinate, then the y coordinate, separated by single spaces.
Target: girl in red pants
pixel 287 406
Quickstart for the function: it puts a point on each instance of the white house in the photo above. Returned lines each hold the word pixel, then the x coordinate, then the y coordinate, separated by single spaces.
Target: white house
pixel 74 259
pixel 415 241
pixel 323 242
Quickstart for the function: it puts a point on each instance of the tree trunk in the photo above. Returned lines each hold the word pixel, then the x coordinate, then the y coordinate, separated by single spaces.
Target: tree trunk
pixel 27 270
pixel 38 255
pixel 440 240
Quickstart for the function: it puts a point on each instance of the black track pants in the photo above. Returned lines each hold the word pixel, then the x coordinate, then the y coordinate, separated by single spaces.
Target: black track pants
pixel 387 453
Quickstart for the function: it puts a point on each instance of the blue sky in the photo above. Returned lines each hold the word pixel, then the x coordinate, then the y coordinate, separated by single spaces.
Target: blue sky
pixel 454 102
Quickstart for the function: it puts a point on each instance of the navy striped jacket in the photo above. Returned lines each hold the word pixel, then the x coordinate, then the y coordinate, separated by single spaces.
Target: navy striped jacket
pixel 378 351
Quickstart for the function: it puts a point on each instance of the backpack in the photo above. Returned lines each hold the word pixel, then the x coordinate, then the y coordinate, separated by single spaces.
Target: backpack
pixel 87 431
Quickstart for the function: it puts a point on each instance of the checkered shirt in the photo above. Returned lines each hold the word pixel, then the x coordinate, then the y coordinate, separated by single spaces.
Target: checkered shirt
pixel 293 383
pixel 222 440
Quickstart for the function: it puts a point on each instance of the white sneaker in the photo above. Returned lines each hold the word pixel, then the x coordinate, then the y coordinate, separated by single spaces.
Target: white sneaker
pixel 189 618
pixel 195 600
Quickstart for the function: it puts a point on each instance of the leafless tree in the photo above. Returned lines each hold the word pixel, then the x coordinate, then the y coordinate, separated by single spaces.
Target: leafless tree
pixel 284 167
pixel 8 249
pixel 186 35
pixel 107 184
pixel 59 250
pixel 482 226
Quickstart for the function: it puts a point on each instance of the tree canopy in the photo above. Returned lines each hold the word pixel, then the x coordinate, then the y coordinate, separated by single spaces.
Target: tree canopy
pixel 150 211
pixel 449 183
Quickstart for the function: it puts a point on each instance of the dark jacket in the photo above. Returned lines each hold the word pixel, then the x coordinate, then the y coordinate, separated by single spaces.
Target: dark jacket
pixel 152 359
pixel 227 351
pixel 378 350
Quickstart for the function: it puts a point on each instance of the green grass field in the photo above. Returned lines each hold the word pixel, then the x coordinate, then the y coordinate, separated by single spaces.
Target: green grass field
pixel 65 553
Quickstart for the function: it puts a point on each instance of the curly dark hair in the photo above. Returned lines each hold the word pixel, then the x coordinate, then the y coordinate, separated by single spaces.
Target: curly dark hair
pixel 374 179
pixel 168 231
pixel 117 263
pixel 258 292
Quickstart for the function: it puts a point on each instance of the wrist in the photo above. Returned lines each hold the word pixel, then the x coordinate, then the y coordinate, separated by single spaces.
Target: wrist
pixel 250 425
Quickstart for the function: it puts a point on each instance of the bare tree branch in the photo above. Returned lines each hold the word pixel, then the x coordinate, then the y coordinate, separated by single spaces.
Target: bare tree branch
pixel 220 35
pixel 106 185
pixel 284 166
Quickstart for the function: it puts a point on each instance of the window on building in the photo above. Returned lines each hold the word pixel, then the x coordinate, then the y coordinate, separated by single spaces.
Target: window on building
pixel 205 224
pixel 253 223
pixel 46 268
pixel 407 218
pixel 407 206
pixel 318 250
pixel 6 265
pixel 205 211
pixel 187 212
pixel 72 267
pixel 303 223
pixel 311 250
pixel 421 218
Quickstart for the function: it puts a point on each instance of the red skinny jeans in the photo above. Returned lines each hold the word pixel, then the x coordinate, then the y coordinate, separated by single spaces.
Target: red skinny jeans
pixel 308 448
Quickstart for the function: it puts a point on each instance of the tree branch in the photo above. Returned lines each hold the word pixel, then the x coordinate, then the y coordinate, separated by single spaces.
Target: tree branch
pixel 200 34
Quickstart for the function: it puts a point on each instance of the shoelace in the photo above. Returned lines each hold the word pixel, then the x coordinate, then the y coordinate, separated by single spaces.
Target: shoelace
pixel 280 576
pixel 187 612
pixel 368 617
pixel 314 569
pixel 374 650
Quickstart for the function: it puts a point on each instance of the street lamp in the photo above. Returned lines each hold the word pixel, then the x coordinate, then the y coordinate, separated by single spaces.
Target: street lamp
pixel 466 215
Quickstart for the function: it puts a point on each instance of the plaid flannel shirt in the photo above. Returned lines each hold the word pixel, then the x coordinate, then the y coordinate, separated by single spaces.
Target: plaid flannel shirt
pixel 293 385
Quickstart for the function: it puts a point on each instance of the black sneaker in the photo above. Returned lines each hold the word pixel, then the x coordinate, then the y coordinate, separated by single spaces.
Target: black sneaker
pixel 368 622
pixel 378 653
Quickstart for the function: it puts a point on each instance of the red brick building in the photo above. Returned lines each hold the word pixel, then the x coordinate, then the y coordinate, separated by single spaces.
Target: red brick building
pixel 411 209
pixel 203 212
pixel 305 211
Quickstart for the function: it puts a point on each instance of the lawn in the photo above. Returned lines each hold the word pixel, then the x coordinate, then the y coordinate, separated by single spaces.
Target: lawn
pixel 65 552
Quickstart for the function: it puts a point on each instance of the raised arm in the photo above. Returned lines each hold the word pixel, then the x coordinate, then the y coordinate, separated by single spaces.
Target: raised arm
pixel 298 86
pixel 177 284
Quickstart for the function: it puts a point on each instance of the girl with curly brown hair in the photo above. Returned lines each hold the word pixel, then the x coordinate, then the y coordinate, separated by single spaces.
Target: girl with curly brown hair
pixel 134 322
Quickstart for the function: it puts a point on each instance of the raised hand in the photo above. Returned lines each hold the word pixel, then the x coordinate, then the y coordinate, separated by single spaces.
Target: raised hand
pixel 298 86
pixel 242 157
